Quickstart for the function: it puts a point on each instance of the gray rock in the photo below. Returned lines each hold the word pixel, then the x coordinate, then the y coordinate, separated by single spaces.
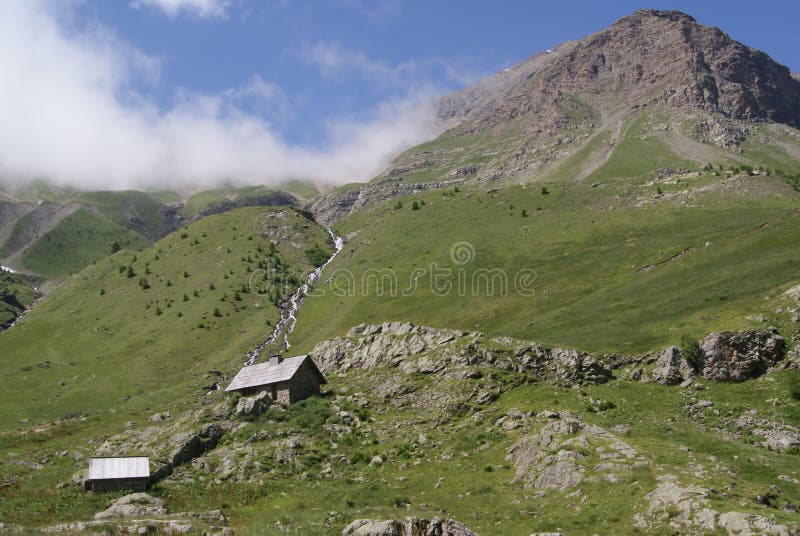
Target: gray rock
pixel 409 526
pixel 134 505
pixel 453 354
pixel 552 459
pixel 672 368
pixel 738 356
pixel 253 405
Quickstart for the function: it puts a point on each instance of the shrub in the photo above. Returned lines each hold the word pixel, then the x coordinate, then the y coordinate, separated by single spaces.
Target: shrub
pixel 415 206
pixel 545 191
pixel 316 255
pixel 399 502
pixel 794 386
pixel 398 205
pixel 102 292
pixel 115 247
pixel 359 456
pixel 690 349
pixel 131 273
pixel 606 405
pixel 217 313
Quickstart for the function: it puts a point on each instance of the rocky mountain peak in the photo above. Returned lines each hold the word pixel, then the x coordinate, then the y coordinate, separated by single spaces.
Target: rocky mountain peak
pixel 649 57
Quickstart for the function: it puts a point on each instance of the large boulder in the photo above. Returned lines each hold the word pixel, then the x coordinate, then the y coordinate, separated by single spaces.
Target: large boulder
pixel 573 367
pixel 134 505
pixel 253 405
pixel 738 356
pixel 409 526
pixel 672 367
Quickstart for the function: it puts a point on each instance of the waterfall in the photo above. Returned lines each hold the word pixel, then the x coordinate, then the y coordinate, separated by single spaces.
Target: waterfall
pixel 289 314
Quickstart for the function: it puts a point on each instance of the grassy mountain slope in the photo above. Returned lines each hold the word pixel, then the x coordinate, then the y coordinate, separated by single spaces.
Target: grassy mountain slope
pixel 136 210
pixel 78 240
pixel 154 315
pixel 605 276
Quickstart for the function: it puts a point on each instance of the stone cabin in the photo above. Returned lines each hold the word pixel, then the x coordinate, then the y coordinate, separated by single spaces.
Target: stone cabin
pixel 113 474
pixel 285 380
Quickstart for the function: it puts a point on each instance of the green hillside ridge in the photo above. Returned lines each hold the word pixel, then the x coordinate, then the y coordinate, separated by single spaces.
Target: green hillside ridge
pixel 133 209
pixel 78 240
pixel 203 199
pixel 156 313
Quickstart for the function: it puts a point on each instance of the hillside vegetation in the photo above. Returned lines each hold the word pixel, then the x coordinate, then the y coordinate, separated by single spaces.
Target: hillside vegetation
pixel 78 240
pixel 165 315
pixel 16 294
pixel 624 265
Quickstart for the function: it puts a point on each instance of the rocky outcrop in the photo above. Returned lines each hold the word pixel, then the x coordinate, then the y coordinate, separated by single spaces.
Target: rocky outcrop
pixel 720 357
pixel 738 356
pixel 454 354
pixel 409 526
pixel 672 367
pixel 558 456
pixel 687 509
pixel 134 505
pixel 253 405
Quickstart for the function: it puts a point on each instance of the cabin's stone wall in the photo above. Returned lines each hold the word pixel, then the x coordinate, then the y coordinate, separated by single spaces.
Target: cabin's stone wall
pixel 304 384
pixel 284 395
pixel 117 484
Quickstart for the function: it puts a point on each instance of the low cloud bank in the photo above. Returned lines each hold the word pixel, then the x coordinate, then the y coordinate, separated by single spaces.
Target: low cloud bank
pixel 70 113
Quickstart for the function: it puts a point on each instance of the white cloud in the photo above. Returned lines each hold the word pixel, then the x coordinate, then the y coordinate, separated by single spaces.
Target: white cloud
pixel 336 62
pixel 333 60
pixel 68 112
pixel 198 8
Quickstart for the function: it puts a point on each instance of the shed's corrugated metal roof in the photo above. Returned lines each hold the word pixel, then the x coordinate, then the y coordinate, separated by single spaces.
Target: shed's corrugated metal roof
pixel 267 373
pixel 132 467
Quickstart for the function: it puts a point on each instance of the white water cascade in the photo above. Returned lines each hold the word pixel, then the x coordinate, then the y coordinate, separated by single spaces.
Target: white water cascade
pixel 289 314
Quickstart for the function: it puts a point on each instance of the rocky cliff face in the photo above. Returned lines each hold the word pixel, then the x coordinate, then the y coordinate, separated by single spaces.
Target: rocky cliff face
pixel 648 57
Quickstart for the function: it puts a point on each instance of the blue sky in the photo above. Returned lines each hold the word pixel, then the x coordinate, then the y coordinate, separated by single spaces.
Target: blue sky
pixel 387 48
pixel 129 91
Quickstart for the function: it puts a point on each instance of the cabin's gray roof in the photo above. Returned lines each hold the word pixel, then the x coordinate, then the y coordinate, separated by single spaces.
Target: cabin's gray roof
pixel 267 373
pixel 130 467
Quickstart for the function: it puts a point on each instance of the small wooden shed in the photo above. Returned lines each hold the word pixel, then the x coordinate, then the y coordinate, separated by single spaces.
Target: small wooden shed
pixel 285 380
pixel 112 474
